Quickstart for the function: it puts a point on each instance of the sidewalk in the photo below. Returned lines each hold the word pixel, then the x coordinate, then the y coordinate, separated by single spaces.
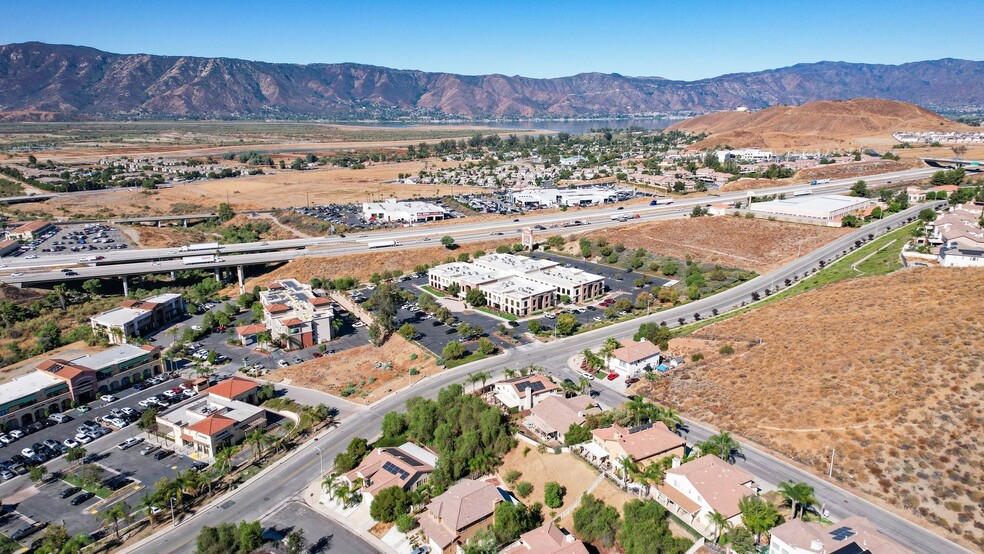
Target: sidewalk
pixel 355 519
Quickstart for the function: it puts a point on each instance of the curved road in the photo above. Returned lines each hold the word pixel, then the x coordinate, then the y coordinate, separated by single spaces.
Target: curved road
pixel 284 482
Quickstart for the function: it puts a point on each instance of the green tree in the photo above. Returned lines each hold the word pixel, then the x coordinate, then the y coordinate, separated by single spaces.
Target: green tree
pixel 92 286
pixel 596 522
pixel 408 331
pixel 295 542
pixel 797 495
pixel 75 453
pixel 740 540
pixel 646 529
pixel 566 324
pixel 927 214
pixel 476 298
pixel 512 520
pixel 553 494
pixel 721 445
pixel 720 524
pixel 850 220
pixel 860 189
pixel 54 540
pixel 577 434
pixel 115 513
pixel 453 350
pixel 448 242
pixel 758 515
pixel 405 523
pixel 512 476
pixel 225 212
pixel 535 326
pixel 486 347
pixel 524 489
pixel 388 504
pixel 37 473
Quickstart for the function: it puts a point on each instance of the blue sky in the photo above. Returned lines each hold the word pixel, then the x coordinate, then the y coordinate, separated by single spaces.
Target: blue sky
pixel 677 40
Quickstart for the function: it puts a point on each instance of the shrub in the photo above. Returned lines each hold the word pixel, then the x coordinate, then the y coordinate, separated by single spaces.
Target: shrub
pixel 405 523
pixel 696 357
pixel 727 350
pixel 553 494
pixel 524 489
pixel 513 475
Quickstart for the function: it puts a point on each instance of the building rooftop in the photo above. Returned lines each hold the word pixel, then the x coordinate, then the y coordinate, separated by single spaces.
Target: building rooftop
pixel 251 329
pixel 512 264
pixel 233 387
pixel 162 298
pixel 465 503
pixel 811 203
pixel 632 352
pixel 721 484
pixel 517 287
pixel 535 384
pixel 111 356
pixel 30 226
pixel 556 414
pixel 394 466
pixel 118 316
pixel 25 385
pixel 641 442
pixel 211 425
pixel 547 539
pixel 839 537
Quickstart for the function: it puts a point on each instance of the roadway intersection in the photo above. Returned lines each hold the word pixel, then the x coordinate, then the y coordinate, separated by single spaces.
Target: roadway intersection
pixel 281 484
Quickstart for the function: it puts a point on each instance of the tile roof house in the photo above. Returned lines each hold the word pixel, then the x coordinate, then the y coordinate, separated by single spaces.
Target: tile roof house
pixel 705 485
pixel 463 509
pixel 851 535
pixel 524 392
pixel 644 445
pixel 633 356
pixel 553 416
pixel 404 466
pixel 547 539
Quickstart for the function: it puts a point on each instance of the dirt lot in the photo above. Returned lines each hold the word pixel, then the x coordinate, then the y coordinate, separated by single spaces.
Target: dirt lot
pixel 356 370
pixel 362 266
pixel 888 370
pixel 756 244
pixel 284 189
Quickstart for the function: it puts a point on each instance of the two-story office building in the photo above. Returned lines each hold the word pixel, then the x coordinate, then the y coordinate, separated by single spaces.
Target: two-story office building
pixel 138 318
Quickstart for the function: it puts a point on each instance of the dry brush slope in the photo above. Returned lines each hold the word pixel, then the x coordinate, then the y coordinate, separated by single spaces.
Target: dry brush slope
pixel 888 370
pixel 755 244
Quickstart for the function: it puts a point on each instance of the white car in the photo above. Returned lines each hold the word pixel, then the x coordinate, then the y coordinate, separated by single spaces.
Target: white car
pixel 130 442
pixel 147 403
pixel 16 274
pixel 108 398
pixel 282 363
pixel 128 411
pixel 170 393
pixel 71 443
pixel 189 393
pixel 16 434
pixel 27 452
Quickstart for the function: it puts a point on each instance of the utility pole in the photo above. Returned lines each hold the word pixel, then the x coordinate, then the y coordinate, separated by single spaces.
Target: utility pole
pixel 831 472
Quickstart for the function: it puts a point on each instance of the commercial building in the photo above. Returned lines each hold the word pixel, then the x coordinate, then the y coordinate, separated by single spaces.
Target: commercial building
pixel 407 212
pixel 295 316
pixel 518 285
pixel 453 517
pixel 825 209
pixel 30 230
pixel 58 384
pixel 405 466
pixel 852 535
pixel 703 486
pixel 223 418
pixel 745 155
pixel 551 197
pixel 9 245
pixel 137 318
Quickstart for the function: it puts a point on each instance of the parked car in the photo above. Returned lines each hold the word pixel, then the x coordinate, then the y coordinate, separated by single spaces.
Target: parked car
pixel 612 376
pixel 282 363
pixel 108 398
pixel 161 454
pixel 59 418
pixel 71 443
pixel 70 491
pixel 189 393
pixel 148 449
pixel 82 498
pixel 129 443
pixel 6 439
pixel 16 434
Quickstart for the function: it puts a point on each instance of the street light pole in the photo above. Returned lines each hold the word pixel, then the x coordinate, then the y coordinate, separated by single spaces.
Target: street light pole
pixel 831 472
pixel 321 459
pixel 174 522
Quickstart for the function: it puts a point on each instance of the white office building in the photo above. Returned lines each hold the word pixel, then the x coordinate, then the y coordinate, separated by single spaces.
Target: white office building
pixel 825 209
pixel 745 155
pixel 407 212
pixel 551 197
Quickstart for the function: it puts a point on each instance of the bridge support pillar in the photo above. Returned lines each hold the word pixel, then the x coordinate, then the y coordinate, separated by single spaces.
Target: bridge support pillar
pixel 126 286
pixel 218 274
pixel 184 222
pixel 239 276
pixel 160 223
pixel 174 275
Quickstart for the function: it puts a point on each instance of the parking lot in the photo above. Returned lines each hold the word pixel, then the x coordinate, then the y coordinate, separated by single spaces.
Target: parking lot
pixel 67 238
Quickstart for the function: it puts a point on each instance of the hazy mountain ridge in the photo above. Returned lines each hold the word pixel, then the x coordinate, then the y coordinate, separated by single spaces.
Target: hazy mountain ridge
pixel 43 81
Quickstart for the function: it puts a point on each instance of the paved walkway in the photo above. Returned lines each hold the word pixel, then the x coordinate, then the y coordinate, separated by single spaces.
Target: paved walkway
pixel 356 520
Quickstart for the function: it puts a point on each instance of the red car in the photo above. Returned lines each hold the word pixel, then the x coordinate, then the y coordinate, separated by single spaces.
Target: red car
pixel 612 376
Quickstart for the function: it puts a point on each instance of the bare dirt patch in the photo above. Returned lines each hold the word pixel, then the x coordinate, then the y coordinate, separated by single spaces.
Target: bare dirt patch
pixel 888 370
pixel 366 372
pixel 162 237
pixel 755 244
pixel 566 469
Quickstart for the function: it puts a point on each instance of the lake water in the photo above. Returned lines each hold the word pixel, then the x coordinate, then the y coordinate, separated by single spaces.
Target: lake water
pixel 572 126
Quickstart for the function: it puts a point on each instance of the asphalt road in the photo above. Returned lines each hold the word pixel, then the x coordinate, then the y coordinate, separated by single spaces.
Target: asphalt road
pixel 281 483
pixel 160 260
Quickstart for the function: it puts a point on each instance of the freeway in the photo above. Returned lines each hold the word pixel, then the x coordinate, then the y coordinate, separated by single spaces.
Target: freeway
pixel 282 483
pixel 159 260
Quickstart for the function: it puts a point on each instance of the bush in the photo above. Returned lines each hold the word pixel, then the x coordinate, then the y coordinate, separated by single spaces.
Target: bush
pixel 513 475
pixel 553 494
pixel 388 504
pixel 727 350
pixel 524 489
pixel 404 523
pixel 696 357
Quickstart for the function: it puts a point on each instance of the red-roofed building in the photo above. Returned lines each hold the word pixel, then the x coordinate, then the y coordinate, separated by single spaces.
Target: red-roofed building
pixel 8 246
pixel 634 357
pixel 547 539
pixel 295 316
pixel 703 486
pixel 248 333
pixel 30 230
pixel 236 388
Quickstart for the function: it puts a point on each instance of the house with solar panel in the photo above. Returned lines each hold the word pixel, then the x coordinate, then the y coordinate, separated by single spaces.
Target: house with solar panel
pixel 522 393
pixel 405 466
pixel 852 535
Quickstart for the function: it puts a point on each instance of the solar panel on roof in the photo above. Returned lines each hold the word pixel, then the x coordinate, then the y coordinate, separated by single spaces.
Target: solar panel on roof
pixel 390 467
pixel 842 533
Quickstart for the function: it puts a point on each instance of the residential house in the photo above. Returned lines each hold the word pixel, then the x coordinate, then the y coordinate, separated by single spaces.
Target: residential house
pixel 644 445
pixel 524 392
pixel 554 415
pixel 703 486
pixel 405 466
pixel 634 357
pixel 453 517
pixel 547 539
pixel 852 535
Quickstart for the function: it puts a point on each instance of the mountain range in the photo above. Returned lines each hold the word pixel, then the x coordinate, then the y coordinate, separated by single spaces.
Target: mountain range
pixel 40 81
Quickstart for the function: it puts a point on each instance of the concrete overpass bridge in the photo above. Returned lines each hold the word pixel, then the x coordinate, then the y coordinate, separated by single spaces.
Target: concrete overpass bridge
pixel 954 163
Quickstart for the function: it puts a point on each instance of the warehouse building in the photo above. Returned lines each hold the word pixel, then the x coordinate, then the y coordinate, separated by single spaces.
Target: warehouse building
pixel 825 210
pixel 407 212
pixel 550 198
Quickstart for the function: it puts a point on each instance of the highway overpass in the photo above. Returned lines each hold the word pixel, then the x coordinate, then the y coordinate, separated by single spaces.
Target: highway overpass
pixel 132 262
pixel 953 163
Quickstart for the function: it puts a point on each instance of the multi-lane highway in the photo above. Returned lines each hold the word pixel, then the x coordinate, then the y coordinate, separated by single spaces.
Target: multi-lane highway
pixel 284 482
pixel 160 260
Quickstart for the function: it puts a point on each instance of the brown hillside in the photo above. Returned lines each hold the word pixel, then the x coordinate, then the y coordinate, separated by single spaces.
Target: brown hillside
pixel 823 124
pixel 888 370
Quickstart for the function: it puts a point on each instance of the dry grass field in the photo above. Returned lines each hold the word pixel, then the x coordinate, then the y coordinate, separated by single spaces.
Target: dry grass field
pixel 888 370
pixel 362 266
pixel 284 189
pixel 755 244
pixel 354 373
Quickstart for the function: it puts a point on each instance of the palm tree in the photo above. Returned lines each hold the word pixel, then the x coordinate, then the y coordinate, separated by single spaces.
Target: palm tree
pixel 611 345
pixel 797 494
pixel 257 438
pixel 628 467
pixel 147 504
pixel 668 416
pixel 60 289
pixel 722 446
pixel 483 376
pixel 509 373
pixel 638 407
pixel 720 524
pixel 223 459
pixel 584 384
pixel 758 515
pixel 569 388
pixel 329 483
pixel 113 515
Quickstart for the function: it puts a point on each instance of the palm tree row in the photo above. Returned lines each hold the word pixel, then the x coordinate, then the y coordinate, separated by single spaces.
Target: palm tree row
pixel 646 412
pixel 479 377
pixel 721 445
pixel 797 495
